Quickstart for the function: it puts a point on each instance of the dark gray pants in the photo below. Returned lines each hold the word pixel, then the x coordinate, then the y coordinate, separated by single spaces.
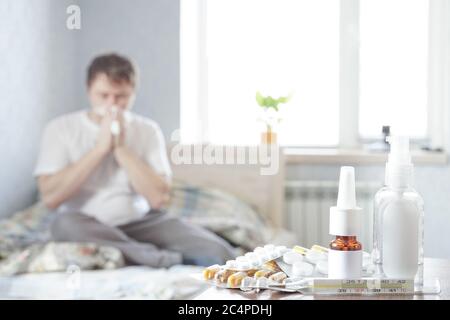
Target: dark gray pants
pixel 156 240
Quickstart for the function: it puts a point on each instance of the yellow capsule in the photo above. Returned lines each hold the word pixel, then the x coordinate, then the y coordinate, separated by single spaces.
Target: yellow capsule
pixel 250 272
pixel 211 271
pixel 235 279
pixel 222 275
pixel 263 273
pixel 300 250
pixel 272 265
pixel 319 248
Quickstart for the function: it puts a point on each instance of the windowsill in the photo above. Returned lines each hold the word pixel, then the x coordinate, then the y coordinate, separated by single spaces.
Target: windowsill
pixel 355 156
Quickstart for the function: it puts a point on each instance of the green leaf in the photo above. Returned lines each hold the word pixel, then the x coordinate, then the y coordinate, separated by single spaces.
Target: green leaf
pixel 283 99
pixel 270 102
pixel 260 99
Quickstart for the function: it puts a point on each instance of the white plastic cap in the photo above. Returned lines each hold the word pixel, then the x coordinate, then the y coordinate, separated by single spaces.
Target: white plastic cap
pixel 345 217
pixel 399 153
pixel 399 168
pixel 346 194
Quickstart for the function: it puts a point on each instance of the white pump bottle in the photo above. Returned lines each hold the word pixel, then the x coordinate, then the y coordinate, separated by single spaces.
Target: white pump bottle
pixel 398 219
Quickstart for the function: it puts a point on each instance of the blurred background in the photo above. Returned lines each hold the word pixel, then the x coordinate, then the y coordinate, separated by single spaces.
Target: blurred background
pixel 350 68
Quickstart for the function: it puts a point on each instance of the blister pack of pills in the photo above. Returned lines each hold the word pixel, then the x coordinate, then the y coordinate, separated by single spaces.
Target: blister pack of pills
pixel 273 266
pixel 259 263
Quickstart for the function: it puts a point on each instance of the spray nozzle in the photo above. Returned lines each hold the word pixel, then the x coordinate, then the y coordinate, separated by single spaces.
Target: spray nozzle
pixel 347 194
pixel 399 168
pixel 399 153
pixel 345 217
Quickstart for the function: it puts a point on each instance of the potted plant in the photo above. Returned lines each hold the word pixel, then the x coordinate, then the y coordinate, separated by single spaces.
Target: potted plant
pixel 270 116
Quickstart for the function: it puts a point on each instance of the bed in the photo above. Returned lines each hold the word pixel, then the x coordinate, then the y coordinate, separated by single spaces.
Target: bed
pixel 235 201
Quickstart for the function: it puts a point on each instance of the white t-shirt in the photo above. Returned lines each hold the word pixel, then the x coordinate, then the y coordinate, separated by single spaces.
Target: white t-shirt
pixel 107 194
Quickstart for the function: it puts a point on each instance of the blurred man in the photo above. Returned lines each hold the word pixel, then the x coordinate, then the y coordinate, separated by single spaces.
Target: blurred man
pixel 106 172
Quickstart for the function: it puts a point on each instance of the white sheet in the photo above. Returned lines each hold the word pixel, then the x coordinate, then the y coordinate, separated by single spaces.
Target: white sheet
pixel 137 282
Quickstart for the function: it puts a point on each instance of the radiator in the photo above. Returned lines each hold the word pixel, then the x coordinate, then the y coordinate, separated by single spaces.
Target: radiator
pixel 308 207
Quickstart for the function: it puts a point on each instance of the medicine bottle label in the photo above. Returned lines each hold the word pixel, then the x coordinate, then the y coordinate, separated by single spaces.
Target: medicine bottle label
pixel 344 264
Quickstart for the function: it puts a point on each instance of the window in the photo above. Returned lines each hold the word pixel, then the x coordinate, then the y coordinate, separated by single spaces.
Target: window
pixel 393 66
pixel 268 46
pixel 352 65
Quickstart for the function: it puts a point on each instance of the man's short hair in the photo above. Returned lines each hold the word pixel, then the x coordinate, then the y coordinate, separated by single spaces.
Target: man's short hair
pixel 116 67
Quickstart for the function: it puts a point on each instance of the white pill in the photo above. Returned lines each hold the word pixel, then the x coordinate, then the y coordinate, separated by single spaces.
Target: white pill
pixel 262 282
pixel 250 255
pixel 315 256
pixel 243 265
pixel 291 257
pixel 322 266
pixel 241 259
pixel 269 247
pixel 231 264
pixel 301 268
pixel 280 250
pixel 273 255
pixel 259 250
pixel 253 258
pixel 264 257
pixel 247 283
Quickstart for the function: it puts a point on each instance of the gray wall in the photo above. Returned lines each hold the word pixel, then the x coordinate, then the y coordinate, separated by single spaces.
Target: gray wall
pixel 36 84
pixel 148 32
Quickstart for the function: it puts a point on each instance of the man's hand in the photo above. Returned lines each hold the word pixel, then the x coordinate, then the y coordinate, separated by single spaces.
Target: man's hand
pixel 154 187
pixel 105 137
pixel 57 188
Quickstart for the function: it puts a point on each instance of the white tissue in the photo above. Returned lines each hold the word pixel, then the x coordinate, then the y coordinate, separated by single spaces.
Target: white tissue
pixel 115 128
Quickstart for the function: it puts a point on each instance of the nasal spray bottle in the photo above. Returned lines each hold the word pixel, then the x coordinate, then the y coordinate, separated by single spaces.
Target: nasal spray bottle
pixel 345 254
pixel 398 219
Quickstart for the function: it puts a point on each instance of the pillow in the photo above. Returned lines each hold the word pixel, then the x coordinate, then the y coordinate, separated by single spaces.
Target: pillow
pixel 24 228
pixel 60 256
pixel 224 214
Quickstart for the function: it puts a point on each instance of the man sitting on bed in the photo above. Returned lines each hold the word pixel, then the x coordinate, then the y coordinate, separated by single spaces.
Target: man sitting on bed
pixel 106 172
